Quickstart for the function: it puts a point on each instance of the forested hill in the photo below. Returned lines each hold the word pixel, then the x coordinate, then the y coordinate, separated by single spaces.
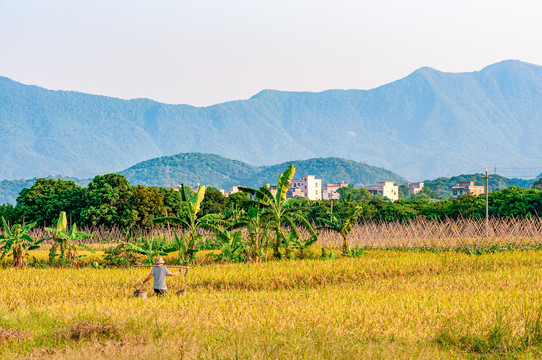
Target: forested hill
pixel 330 170
pixel 190 169
pixel 220 172
pixel 424 125
pixel 209 169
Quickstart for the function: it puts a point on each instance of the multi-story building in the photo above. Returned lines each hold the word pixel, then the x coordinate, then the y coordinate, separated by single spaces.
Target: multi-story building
pixel 384 188
pixel 233 190
pixel 273 190
pixel 308 187
pixel 329 191
pixel 414 187
pixel 467 187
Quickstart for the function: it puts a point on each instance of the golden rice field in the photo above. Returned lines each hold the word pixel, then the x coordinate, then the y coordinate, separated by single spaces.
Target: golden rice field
pixel 385 304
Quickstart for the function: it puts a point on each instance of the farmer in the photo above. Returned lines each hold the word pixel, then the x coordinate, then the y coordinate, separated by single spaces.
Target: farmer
pixel 160 272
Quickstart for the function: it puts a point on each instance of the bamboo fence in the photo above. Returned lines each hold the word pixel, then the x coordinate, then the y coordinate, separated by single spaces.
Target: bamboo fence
pixel 418 233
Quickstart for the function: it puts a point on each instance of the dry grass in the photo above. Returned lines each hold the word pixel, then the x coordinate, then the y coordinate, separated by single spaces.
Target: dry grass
pixel 385 304
pixel 13 335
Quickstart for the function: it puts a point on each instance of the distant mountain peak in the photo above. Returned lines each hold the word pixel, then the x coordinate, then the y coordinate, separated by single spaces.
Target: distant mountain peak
pixel 515 67
pixel 426 69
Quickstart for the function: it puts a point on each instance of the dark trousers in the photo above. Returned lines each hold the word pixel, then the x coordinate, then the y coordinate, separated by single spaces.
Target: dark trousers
pixel 160 292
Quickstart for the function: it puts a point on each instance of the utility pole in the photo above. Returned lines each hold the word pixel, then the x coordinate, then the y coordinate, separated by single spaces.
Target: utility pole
pixel 487 204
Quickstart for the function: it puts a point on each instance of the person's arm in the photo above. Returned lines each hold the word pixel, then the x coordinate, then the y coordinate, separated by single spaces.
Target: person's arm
pixel 147 279
pixel 175 273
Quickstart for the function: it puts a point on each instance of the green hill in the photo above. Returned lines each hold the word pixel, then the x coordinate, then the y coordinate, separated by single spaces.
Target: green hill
pixel 220 172
pixel 330 170
pixel 209 169
pixel 189 168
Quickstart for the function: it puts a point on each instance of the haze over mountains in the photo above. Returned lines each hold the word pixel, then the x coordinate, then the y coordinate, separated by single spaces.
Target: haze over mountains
pixel 422 126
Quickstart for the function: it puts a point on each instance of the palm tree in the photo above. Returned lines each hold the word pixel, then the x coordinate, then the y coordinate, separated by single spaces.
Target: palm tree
pixel 277 210
pixel 344 225
pixel 17 241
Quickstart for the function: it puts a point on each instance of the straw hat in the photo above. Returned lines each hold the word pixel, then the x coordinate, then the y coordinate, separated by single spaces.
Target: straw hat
pixel 159 261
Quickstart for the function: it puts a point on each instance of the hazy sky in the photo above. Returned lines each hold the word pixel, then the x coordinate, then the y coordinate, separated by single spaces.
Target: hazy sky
pixel 203 52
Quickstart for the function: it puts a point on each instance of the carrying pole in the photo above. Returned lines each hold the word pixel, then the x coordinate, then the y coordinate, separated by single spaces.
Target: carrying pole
pixel 172 266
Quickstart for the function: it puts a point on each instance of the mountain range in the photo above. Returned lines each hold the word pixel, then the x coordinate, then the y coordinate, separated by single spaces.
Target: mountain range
pixel 425 125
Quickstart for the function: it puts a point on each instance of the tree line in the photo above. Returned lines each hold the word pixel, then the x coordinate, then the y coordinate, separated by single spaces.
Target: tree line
pixel 109 200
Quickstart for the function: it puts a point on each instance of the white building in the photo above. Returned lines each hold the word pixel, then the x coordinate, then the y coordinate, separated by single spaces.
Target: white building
pixel 386 189
pixel 308 187
pixel 329 191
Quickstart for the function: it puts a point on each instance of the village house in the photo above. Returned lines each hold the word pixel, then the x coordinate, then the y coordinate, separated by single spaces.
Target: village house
pixel 329 191
pixel 309 187
pixel 384 188
pixel 414 187
pixel 467 187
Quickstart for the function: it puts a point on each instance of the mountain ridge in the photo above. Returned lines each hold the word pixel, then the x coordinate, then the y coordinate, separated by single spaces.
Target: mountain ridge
pixel 424 125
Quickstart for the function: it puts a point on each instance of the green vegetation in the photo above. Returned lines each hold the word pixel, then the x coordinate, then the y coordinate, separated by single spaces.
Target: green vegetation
pixel 537 184
pixel 67 240
pixel 195 168
pixel 344 226
pixel 10 189
pixel 110 201
pixel 190 169
pixel 17 242
pixel 278 211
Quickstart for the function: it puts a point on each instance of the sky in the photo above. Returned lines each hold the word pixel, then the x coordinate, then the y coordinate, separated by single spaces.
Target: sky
pixel 203 52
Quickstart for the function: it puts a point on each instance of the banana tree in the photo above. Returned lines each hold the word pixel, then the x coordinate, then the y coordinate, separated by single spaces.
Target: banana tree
pixel 343 226
pixel 150 246
pixel 255 225
pixel 190 219
pixel 233 247
pixel 17 242
pixel 301 244
pixel 67 239
pixel 185 247
pixel 277 209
